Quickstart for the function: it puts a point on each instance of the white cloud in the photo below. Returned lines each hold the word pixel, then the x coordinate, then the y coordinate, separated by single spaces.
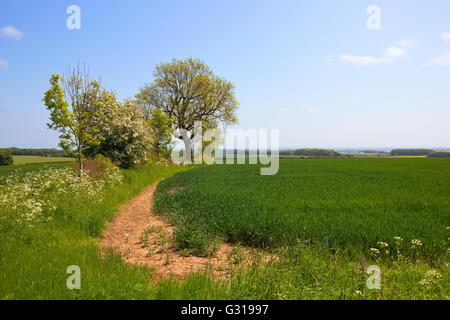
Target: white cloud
pixel 3 63
pixel 406 43
pixel 446 36
pixel 391 54
pixel 442 60
pixel 12 32
pixel 394 52
pixel 362 60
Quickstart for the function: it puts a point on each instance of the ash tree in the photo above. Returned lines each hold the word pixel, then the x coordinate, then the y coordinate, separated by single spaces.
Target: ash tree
pixel 72 101
pixel 188 91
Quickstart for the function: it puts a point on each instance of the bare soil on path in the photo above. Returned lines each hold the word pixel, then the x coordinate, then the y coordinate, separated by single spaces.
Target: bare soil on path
pixel 144 239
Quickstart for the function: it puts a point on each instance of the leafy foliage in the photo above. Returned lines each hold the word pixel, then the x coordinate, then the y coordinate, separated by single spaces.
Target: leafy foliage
pixel 162 130
pixel 71 100
pixel 188 91
pixel 5 158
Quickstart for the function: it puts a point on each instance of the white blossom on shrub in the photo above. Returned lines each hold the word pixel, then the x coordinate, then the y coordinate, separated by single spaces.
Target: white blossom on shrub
pixel 127 135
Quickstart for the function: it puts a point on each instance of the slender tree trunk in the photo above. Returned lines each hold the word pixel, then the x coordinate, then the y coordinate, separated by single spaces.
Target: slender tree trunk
pixel 80 160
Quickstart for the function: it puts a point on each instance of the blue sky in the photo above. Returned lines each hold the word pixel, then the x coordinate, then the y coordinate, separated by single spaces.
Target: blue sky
pixel 312 69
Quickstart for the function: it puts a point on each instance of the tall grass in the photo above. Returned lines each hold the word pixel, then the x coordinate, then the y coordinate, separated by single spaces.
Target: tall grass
pixel 34 257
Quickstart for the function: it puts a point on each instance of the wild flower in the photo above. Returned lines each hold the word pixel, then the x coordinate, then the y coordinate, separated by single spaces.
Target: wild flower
pixel 416 243
pixel 383 244
pixel 374 252
pixel 398 244
pixel 34 195
pixel 431 277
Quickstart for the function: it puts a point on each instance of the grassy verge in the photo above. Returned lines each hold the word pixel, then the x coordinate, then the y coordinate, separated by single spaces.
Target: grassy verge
pixel 34 257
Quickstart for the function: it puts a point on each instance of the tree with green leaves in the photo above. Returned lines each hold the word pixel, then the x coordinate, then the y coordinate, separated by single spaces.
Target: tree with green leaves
pixel 72 101
pixel 188 91
pixel 161 125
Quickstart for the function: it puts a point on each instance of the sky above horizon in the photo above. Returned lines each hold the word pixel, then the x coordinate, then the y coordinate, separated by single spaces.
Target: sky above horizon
pixel 312 69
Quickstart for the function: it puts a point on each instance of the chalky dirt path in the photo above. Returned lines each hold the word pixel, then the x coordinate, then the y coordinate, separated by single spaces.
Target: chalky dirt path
pixel 126 235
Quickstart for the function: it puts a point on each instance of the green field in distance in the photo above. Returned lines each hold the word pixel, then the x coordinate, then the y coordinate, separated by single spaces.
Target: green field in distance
pixel 18 160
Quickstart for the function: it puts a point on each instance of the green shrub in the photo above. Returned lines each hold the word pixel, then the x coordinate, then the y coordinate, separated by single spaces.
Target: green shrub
pixel 5 158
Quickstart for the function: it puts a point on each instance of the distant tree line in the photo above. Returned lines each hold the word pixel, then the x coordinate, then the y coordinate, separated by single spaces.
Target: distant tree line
pixel 311 152
pixel 411 152
pixel 53 152
pixel 439 154
pixel 374 151
pixel 370 151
